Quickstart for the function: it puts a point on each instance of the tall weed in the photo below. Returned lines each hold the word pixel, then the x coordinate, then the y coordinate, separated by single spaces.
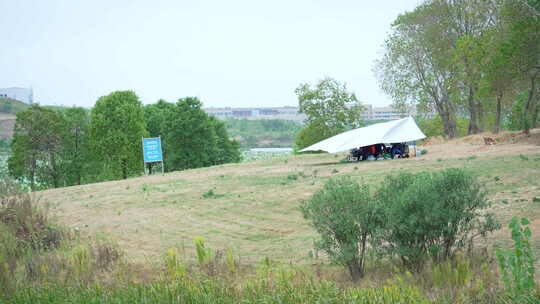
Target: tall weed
pixel 517 265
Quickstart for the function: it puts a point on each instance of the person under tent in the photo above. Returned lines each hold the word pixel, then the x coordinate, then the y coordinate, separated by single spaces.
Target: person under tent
pixel 380 151
pixel 396 150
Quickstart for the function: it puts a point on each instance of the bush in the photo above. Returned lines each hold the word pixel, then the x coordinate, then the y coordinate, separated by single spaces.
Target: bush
pixel 433 214
pixel 292 177
pixel 345 215
pixel 24 229
pixel 30 225
pixel 208 194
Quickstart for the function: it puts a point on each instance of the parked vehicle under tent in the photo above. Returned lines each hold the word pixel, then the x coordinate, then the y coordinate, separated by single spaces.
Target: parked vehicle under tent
pixel 383 140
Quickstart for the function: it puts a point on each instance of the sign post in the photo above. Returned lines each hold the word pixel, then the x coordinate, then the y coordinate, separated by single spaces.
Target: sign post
pixel 152 152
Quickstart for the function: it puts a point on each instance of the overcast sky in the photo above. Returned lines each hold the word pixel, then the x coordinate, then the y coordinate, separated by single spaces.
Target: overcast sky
pixel 228 53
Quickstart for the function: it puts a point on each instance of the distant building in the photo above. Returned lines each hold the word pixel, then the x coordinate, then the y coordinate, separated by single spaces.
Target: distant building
pixel 291 113
pixel 21 94
pixel 383 113
pixel 243 113
pixel 284 113
pixel 268 112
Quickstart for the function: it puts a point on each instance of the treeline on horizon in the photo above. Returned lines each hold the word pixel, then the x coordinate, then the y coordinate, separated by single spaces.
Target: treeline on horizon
pixel 475 63
pixel 263 133
pixel 56 147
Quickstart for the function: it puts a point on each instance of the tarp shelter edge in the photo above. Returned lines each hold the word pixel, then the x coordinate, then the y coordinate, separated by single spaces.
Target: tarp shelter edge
pixel 402 130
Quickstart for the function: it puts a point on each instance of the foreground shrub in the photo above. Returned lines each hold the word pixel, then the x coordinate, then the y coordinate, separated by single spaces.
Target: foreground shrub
pixel 20 215
pixel 345 216
pixel 433 214
pixel 24 229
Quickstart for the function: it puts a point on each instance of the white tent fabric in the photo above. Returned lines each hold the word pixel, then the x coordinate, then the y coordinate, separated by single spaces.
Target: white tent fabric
pixel 396 131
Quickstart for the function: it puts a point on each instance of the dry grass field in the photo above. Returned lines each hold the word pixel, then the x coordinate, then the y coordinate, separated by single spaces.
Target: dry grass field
pixel 253 207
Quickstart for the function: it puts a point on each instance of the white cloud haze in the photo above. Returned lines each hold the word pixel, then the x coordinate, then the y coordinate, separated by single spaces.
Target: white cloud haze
pixel 228 53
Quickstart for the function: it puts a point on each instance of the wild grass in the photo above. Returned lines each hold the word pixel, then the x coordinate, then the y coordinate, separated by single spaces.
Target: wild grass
pixel 220 277
pixel 78 269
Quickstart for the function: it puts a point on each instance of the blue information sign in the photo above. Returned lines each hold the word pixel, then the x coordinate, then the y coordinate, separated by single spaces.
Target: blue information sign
pixel 152 150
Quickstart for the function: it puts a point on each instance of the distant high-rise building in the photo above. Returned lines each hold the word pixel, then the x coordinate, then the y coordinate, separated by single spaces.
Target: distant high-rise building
pixel 21 94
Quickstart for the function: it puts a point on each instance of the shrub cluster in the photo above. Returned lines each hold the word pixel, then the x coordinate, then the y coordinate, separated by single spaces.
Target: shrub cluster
pixel 33 248
pixel 412 216
pixel 23 228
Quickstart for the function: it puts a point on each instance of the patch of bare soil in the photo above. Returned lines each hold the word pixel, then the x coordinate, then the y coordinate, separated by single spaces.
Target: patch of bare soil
pixel 473 145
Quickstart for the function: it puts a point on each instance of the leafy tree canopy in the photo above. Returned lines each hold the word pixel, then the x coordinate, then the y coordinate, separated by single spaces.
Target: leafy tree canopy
pixel 36 147
pixel 116 128
pixel 330 108
pixel 329 103
pixel 192 139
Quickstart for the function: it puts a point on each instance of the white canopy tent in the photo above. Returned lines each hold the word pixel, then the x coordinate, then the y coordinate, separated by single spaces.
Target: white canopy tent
pixel 396 131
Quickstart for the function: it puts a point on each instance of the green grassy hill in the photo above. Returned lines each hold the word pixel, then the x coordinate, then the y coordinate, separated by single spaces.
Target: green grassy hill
pixel 253 206
pixel 234 233
pixel 11 106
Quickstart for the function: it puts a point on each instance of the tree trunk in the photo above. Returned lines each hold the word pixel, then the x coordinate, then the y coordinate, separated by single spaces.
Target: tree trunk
pixel 33 174
pixel 480 116
pixel 354 270
pixel 449 124
pixel 536 109
pixel 498 114
pixel 79 173
pixel 473 111
pixel 54 170
pixel 363 253
pixel 124 168
pixel 528 105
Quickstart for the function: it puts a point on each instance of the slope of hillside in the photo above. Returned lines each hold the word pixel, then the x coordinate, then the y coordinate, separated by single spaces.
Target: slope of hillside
pixel 253 207
pixel 8 109
pixel 11 106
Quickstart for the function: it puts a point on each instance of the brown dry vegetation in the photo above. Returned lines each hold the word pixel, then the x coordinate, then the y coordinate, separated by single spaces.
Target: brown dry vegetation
pixel 254 206
pixel 7 123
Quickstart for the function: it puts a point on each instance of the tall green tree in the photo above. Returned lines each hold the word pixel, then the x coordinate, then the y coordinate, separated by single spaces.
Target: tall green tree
pixel 75 145
pixel 465 57
pixel 192 139
pixel 330 108
pixel 228 150
pixel 417 68
pixel 116 127
pixel 37 149
pixel 469 22
pixel 521 21
pixel 155 114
